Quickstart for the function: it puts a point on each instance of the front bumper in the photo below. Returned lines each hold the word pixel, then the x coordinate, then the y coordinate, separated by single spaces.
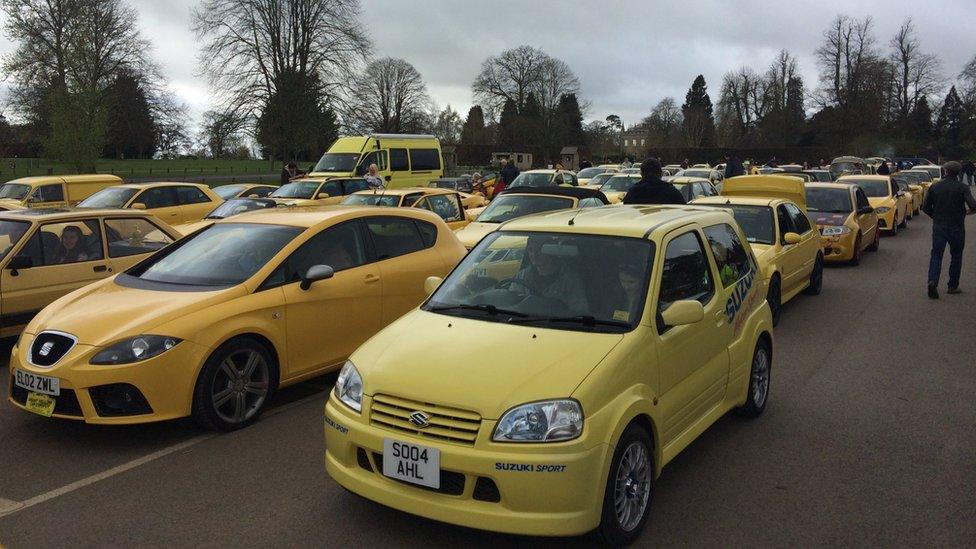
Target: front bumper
pixel 542 489
pixel 838 248
pixel 886 221
pixel 88 392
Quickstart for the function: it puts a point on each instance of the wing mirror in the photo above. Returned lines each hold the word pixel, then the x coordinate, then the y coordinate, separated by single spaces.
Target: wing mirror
pixel 791 238
pixel 316 273
pixel 683 312
pixel 322 195
pixel 865 210
pixel 432 283
pixel 138 206
pixel 19 262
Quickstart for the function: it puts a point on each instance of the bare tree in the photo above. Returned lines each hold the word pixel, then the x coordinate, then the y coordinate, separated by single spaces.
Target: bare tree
pixel 968 77
pixel 390 97
pixel 221 133
pixel 745 95
pixel 845 58
pixel 917 74
pixel 513 74
pixel 664 122
pixel 783 69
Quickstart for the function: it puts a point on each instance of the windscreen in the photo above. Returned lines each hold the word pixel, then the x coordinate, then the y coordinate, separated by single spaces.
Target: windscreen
pixel 373 199
pixel 337 162
pixel 113 197
pixel 619 184
pixel 15 191
pixel 829 200
pixel 533 180
pixel 238 206
pixel 510 206
pixel 871 187
pixel 296 189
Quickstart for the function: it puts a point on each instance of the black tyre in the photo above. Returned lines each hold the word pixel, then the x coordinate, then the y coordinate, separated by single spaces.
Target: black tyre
pixel 774 296
pixel 877 241
pixel 856 258
pixel 234 385
pixel 629 487
pixel 904 222
pixel 759 378
pixel 816 277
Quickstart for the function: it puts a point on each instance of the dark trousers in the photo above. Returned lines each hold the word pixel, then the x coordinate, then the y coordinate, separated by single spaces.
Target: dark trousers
pixel 955 238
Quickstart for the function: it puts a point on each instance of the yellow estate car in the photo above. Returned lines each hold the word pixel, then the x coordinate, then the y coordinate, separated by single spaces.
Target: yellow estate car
pixel 214 324
pixel 615 188
pixel 447 204
pixel 889 202
pixel 244 190
pixel 575 395
pixel 522 201
pixel 174 203
pixel 847 222
pixel 318 192
pixel 47 253
pixel 52 191
pixel 772 212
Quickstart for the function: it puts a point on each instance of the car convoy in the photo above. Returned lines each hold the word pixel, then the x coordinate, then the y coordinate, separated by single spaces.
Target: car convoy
pixel 599 339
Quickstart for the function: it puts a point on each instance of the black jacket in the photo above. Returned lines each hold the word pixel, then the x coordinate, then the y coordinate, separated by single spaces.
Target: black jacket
pixel 653 191
pixel 734 167
pixel 883 169
pixel 509 173
pixel 946 202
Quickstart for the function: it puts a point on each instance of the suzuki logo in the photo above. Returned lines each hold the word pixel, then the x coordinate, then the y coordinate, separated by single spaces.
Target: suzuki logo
pixel 46 348
pixel 420 419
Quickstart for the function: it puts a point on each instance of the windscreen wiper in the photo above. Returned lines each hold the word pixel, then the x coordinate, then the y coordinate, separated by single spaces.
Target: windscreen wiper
pixel 490 309
pixel 586 320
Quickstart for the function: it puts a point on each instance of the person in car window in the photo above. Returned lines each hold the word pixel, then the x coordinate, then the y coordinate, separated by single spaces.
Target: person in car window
pixel 70 250
pixel 373 178
pixel 544 275
pixel 623 307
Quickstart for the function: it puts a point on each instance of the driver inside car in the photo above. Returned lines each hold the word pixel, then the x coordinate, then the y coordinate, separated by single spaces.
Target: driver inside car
pixel 545 274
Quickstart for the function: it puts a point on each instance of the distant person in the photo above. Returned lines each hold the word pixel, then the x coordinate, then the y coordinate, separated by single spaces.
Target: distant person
pixel 289 172
pixel 823 164
pixel 969 172
pixel 883 169
pixel 372 177
pixel 477 185
pixel 651 189
pixel 70 250
pixel 626 163
pixel 772 163
pixel 684 164
pixel 585 164
pixel 733 166
pixel 946 204
pixel 506 175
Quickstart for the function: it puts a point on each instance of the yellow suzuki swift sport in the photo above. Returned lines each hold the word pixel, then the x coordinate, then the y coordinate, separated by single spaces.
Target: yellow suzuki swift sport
pixel 211 325
pixel 544 398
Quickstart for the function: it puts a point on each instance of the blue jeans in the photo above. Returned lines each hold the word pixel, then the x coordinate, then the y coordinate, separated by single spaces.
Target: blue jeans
pixel 955 238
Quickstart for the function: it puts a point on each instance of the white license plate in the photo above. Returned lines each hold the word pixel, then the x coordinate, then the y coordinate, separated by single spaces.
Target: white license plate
pixel 39 384
pixel 412 463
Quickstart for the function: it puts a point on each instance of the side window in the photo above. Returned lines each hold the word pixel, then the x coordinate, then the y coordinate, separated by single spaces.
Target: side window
pixel 350 186
pixel 428 232
pixel 785 225
pixel 191 195
pixel 157 197
pixel 398 160
pixel 729 254
pixel 375 157
pixel 62 243
pixel 340 247
pixel 567 179
pixel 49 193
pixel 861 198
pixel 394 236
pixel 800 221
pixel 686 273
pixel 132 236
pixel 411 199
pixel 590 203
pixel 424 160
pixel 260 192
pixel 332 188
pixel 445 206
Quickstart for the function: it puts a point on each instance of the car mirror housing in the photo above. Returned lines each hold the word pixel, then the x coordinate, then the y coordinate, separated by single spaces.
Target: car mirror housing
pixel 791 238
pixel 138 206
pixel 322 195
pixel 683 312
pixel 432 283
pixel 316 273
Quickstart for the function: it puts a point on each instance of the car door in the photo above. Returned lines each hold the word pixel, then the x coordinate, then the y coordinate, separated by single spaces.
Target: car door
pixel 405 252
pixel 129 240
pixel 194 203
pixel 447 206
pixel 333 188
pixel 810 243
pixel 329 320
pixel 694 358
pixel 48 196
pixel 788 260
pixel 161 202
pixel 64 256
pixel 868 222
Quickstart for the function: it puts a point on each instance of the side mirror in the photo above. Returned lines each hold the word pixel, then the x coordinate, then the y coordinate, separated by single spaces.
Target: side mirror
pixel 900 194
pixel 316 273
pixel 683 312
pixel 138 206
pixel 791 238
pixel 253 196
pixel 432 283
pixel 19 262
pixel 322 195
pixel 865 210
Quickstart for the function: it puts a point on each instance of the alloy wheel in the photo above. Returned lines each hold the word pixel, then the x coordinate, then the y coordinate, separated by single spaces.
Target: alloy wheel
pixel 240 386
pixel 632 487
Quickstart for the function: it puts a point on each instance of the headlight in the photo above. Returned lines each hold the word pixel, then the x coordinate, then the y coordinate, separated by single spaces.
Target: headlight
pixel 349 387
pixel 882 209
pixel 548 421
pixel 135 349
pixel 835 231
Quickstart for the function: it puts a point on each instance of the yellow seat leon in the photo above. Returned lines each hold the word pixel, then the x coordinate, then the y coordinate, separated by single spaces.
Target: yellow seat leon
pixel 537 404
pixel 447 204
pixel 890 203
pixel 318 192
pixel 244 190
pixel 847 222
pixel 212 325
pixel 772 212
pixel 229 208
pixel 174 203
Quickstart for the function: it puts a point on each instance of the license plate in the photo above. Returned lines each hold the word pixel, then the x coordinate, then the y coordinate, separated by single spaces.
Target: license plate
pixel 39 384
pixel 412 463
pixel 40 404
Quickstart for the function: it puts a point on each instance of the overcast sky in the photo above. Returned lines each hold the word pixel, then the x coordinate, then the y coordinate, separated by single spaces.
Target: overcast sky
pixel 627 54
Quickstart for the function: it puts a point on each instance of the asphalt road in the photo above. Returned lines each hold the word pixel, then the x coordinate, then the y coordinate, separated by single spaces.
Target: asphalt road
pixel 869 439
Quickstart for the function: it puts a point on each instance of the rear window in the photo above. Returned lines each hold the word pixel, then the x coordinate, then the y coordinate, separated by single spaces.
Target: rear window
pixel 871 187
pixel 424 159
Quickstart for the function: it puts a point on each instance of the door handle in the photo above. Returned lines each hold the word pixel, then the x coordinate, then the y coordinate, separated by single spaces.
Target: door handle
pixel 99 268
pixel 369 279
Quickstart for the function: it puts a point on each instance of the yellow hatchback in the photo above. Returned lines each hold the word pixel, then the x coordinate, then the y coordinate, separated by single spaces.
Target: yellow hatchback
pixel 847 222
pixel 890 203
pixel 212 325
pixel 447 204
pixel 574 395
pixel 174 203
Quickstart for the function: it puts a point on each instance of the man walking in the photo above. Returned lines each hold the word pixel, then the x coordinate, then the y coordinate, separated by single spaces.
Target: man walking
pixel 946 204
pixel 733 166
pixel 651 189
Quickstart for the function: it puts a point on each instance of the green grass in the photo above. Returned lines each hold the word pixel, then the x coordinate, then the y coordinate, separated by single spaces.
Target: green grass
pixel 12 168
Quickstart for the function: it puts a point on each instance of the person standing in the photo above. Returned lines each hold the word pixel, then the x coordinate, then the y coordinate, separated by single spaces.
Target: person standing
pixel 289 172
pixel 969 172
pixel 946 204
pixel 585 164
pixel 651 189
pixel 733 166
pixel 506 176
pixel 373 178
pixel 883 169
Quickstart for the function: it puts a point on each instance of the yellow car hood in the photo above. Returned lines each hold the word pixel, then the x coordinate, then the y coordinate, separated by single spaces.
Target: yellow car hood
pixel 11 204
pixel 879 201
pixel 105 312
pixel 485 367
pixel 474 232
pixel 188 228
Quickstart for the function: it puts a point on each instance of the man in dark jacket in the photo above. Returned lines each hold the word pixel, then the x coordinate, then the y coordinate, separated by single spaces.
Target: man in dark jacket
pixel 946 204
pixel 651 189
pixel 883 168
pixel 506 175
pixel 733 166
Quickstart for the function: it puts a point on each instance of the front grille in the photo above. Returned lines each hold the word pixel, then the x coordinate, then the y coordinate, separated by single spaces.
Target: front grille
pixel 363 460
pixel 485 489
pixel 48 348
pixel 452 482
pixel 65 404
pixel 882 224
pixel 447 424
pixel 119 400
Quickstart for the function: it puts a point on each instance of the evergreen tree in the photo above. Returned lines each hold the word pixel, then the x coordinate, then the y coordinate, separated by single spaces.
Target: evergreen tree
pixel 131 128
pixel 531 123
pixel 295 123
pixel 473 131
pixel 508 130
pixel 921 122
pixel 699 122
pixel 949 125
pixel 569 122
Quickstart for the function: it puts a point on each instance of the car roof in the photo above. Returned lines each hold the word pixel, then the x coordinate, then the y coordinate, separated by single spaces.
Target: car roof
pixel 310 216
pixel 822 185
pixel 48 214
pixel 573 192
pixel 406 190
pixel 743 200
pixel 847 159
pixel 637 221
pixel 47 179
pixel 863 177
pixel 688 179
pixel 163 184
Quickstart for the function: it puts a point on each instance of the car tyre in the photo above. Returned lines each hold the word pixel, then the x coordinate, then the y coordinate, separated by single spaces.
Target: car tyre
pixel 877 240
pixel 757 395
pixel 856 257
pixel 894 226
pixel 904 222
pixel 234 385
pixel 816 277
pixel 774 297
pixel 630 484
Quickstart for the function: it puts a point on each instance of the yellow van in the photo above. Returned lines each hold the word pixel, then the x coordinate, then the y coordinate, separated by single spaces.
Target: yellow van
pixel 52 191
pixel 403 160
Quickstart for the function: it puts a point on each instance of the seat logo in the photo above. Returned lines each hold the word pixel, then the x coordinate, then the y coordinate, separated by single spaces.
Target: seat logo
pixel 420 419
pixel 46 348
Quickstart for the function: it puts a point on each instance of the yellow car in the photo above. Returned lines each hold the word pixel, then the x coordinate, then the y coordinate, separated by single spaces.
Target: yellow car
pixel 52 191
pixel 692 188
pixel 229 208
pixel 519 202
pixel 244 190
pixel 847 222
pixel 214 324
pixel 889 202
pixel 918 183
pixel 934 171
pixel 615 188
pixel 772 212
pixel 318 192
pixel 598 180
pixel 47 253
pixel 574 397
pixel 584 176
pixel 174 203
pixel 447 204
pixel 544 178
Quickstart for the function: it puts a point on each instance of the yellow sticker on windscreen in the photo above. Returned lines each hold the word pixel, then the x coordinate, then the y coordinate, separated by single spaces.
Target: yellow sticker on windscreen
pixel 621 315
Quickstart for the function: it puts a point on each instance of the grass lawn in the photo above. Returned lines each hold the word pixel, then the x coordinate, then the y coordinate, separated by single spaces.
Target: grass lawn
pixel 12 168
